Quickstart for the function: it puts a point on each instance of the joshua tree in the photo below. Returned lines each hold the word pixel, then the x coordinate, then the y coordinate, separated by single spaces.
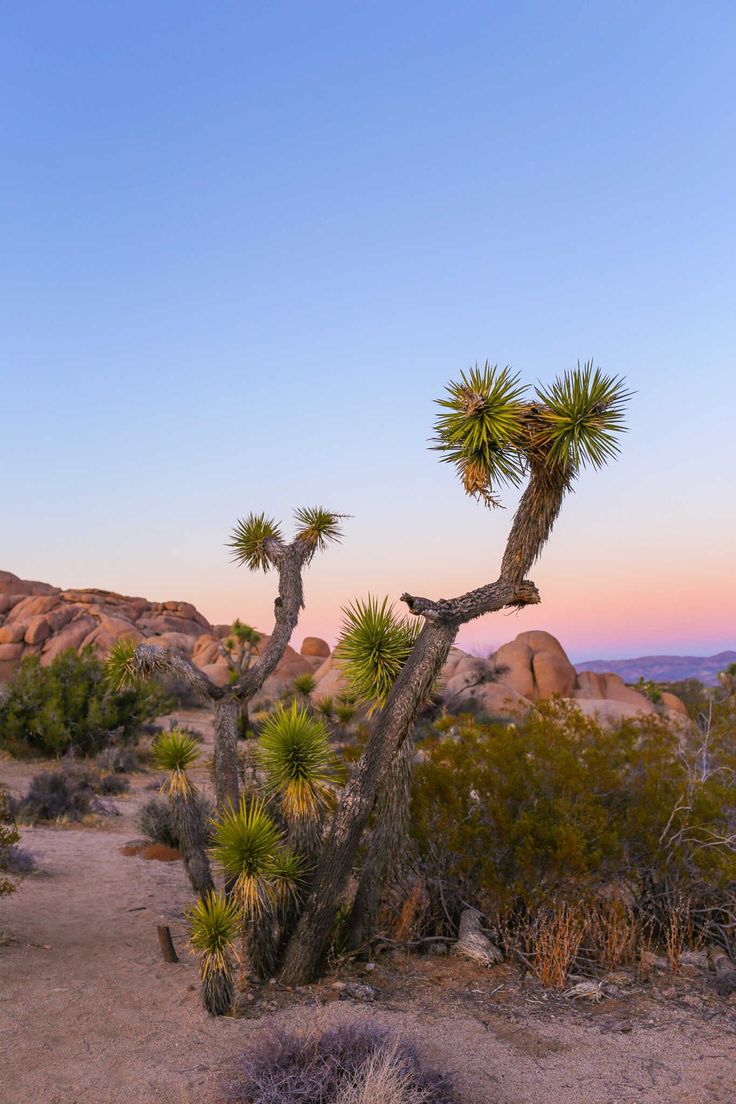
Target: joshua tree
pixel 176 752
pixel 214 924
pixel 304 684
pixel 494 435
pixel 257 542
pixel 237 650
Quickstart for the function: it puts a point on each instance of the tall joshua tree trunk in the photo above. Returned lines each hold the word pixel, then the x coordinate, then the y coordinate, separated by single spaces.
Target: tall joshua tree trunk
pixel 442 620
pixel 389 835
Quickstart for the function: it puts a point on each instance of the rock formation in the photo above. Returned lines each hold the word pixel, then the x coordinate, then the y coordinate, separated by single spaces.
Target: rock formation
pixel 39 619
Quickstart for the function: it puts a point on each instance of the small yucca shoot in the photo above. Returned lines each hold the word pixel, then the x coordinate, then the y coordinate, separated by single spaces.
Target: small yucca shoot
pixel 316 526
pixel 250 849
pixel 248 541
pixel 175 752
pixel 215 923
pixel 304 684
pixel 374 645
pixel 120 664
pixel 300 766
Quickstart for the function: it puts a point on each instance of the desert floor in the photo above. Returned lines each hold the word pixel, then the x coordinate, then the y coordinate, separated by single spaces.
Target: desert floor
pixel 89 1013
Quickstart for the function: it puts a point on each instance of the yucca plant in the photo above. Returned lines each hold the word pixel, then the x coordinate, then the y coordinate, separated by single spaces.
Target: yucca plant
pixel 215 924
pixel 316 527
pixel 300 766
pixel 251 850
pixel 120 667
pixel 373 646
pixel 305 684
pixel 176 752
pixel 265 876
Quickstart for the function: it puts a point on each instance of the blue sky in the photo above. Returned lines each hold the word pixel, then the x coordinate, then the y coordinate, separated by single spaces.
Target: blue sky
pixel 244 246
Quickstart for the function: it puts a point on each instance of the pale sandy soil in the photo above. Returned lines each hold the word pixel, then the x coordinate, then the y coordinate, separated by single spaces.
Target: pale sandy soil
pixel 89 1014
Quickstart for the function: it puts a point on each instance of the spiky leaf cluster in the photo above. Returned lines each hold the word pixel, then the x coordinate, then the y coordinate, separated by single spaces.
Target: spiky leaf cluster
pixel 316 527
pixel 304 684
pixel 478 430
pixel 248 541
pixel 250 848
pixel 295 752
pixel 120 668
pixel 244 634
pixel 214 924
pixel 175 751
pixel 374 644
pixel 582 417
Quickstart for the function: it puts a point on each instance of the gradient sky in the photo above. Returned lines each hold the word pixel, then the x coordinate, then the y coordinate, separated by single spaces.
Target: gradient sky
pixel 245 245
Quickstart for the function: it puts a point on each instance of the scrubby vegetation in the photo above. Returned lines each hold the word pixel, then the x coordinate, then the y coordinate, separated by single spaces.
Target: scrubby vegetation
pixel 559 830
pixel 70 705
pixel 9 837
pixel 155 822
pixel 353 1063
pixel 70 793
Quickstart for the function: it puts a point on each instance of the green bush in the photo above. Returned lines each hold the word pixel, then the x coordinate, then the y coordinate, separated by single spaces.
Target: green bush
pixel 9 837
pixel 517 817
pixel 69 705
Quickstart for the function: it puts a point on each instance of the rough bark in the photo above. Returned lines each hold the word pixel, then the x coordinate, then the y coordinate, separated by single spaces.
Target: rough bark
pixel 189 824
pixel 306 947
pixel 227 790
pixel 387 842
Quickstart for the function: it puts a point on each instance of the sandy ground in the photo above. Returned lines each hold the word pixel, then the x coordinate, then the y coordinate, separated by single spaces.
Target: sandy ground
pixel 89 1014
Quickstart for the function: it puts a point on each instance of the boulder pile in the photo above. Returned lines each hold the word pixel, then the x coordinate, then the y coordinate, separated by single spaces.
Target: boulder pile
pixel 40 619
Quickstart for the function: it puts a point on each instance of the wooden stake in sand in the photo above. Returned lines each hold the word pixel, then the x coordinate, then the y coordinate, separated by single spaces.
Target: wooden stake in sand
pixel 166 943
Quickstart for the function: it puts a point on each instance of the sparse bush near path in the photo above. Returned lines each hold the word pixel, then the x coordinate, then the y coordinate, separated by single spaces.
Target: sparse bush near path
pixel 70 793
pixel 155 822
pixel 352 1063
pixel 70 705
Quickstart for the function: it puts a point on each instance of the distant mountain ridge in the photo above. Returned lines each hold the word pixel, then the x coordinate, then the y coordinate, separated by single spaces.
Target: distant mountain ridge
pixel 663 668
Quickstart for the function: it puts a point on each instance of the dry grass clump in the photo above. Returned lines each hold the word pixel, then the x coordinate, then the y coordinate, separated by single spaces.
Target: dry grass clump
pixel 352 1063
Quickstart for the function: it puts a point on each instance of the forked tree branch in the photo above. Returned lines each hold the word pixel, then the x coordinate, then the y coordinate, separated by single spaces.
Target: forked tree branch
pixel 152 662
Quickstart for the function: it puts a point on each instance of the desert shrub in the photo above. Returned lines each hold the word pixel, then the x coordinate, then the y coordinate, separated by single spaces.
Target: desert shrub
pixel 67 794
pixel 70 705
pixel 155 822
pixel 17 860
pixel 519 819
pixel 118 760
pixel 9 837
pixel 352 1063
pixel 112 785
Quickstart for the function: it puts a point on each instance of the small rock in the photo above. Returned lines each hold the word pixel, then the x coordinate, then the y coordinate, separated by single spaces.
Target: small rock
pixel 352 990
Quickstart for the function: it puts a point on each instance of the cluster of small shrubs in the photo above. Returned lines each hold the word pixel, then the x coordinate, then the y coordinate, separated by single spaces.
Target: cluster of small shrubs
pixel 352 1063
pixel 70 705
pixel 528 821
pixel 155 822
pixel 70 793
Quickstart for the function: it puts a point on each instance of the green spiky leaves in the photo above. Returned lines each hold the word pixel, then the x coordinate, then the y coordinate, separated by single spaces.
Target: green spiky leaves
pixel 120 665
pixel 295 752
pixel 250 849
pixel 249 540
pixel 374 644
pixel 478 430
pixel 214 925
pixel 176 752
pixel 317 527
pixel 582 417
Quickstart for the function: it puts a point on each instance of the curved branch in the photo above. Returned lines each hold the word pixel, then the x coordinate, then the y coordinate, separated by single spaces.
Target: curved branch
pixel 288 560
pixel 152 662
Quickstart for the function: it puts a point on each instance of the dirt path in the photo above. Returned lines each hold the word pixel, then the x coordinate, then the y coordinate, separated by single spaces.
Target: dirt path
pixel 89 1014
